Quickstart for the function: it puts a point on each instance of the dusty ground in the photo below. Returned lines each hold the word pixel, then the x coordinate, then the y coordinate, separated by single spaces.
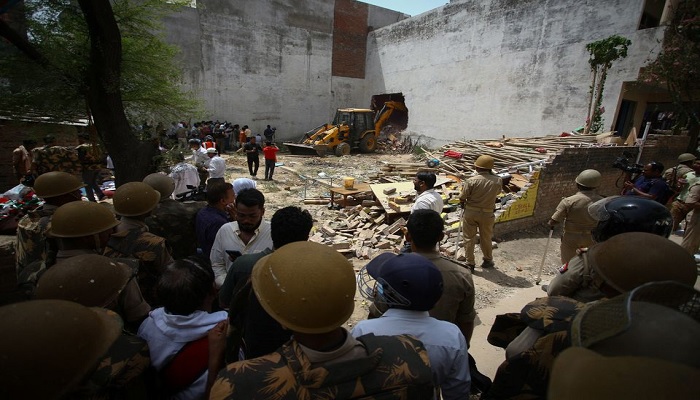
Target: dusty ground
pixel 517 257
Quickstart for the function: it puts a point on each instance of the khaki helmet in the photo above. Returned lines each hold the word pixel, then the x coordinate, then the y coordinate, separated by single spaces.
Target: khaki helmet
pixel 56 183
pixel 88 279
pixel 484 161
pixel 631 259
pixel 70 339
pixel 685 157
pixel 307 287
pixel 164 184
pixel 580 373
pixel 135 198
pixel 81 218
pixel 589 178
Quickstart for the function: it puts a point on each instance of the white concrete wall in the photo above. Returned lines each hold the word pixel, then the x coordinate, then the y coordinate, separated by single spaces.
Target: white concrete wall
pixel 260 62
pixel 486 68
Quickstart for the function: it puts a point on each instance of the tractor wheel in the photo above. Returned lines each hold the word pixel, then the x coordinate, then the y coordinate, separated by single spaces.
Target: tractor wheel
pixel 368 143
pixel 343 149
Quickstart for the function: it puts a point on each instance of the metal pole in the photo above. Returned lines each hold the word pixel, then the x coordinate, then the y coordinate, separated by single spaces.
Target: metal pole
pixel 641 144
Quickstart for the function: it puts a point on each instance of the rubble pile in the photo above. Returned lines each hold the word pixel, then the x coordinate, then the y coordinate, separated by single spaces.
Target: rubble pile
pixel 508 153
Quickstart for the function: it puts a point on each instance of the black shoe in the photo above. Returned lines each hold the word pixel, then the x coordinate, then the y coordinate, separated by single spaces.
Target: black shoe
pixel 487 264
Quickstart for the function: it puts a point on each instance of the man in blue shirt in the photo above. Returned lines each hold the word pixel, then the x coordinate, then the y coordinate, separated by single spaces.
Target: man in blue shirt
pixel 650 185
pixel 219 211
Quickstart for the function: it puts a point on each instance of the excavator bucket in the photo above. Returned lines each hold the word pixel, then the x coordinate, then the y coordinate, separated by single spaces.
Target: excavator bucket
pixel 306 150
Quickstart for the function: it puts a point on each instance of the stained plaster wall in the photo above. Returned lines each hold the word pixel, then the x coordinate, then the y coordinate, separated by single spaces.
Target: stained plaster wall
pixel 486 68
pixel 260 62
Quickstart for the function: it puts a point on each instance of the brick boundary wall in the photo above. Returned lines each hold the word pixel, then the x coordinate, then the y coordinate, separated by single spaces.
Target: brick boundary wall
pixel 349 38
pixel 557 177
pixel 12 134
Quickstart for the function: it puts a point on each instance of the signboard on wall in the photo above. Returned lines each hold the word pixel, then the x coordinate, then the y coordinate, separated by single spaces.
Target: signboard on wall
pixel 525 205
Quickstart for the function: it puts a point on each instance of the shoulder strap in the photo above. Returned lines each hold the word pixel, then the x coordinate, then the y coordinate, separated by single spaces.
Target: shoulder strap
pixel 187 365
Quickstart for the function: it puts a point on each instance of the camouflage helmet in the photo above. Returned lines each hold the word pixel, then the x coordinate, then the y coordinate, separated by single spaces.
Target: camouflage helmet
pixel 135 198
pixel 88 279
pixel 307 287
pixel 81 218
pixel 56 183
pixel 685 157
pixel 484 161
pixel 70 338
pixel 620 214
pixel 164 184
pixel 589 178
pixel 630 259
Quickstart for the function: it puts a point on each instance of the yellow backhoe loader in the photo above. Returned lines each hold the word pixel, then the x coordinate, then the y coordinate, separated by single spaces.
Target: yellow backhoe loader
pixel 351 128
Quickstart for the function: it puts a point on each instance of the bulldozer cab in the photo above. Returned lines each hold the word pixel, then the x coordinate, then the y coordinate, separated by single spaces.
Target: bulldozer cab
pixel 358 122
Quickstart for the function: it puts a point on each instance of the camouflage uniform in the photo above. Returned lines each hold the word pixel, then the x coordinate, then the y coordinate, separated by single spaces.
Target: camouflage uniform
pixel 132 240
pixel 31 243
pixel 122 366
pixel 526 374
pixel 395 367
pixel 55 158
pixel 174 221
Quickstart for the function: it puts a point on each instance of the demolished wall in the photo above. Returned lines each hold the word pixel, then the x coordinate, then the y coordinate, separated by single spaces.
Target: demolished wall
pixel 556 179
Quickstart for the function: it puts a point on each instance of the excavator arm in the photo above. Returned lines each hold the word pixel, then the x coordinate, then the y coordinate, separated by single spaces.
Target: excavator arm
pixel 385 113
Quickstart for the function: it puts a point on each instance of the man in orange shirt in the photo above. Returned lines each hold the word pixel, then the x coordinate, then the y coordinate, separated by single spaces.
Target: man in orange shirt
pixel 270 151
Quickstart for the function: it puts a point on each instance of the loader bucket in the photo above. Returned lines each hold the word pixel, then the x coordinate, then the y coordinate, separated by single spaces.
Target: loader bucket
pixel 305 149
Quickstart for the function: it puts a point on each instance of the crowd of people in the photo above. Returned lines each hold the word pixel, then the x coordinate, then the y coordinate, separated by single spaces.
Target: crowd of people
pixel 159 298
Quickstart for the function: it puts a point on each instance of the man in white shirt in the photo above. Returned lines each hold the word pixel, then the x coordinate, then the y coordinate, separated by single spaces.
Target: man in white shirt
pixel 200 159
pixel 427 198
pixel 216 168
pixel 183 174
pixel 410 285
pixel 248 234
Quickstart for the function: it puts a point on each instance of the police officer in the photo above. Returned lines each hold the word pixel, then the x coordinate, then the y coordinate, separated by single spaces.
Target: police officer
pixel 94 280
pixel 76 228
pixel 478 198
pixel 622 263
pixel 679 207
pixel 691 239
pixel 135 201
pixel 650 350
pixel 309 288
pixel 573 211
pixel 674 175
pixel 39 342
pixel 172 219
pixel 56 188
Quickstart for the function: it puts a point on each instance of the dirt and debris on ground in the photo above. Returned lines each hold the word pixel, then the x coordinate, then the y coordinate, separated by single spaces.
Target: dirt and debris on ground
pixel 517 257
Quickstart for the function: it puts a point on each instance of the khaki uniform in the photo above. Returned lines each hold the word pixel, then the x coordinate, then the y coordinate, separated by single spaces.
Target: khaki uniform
pixel 132 240
pixel 673 174
pixel 575 280
pixel 31 242
pixel 457 302
pixel 679 209
pixel 479 196
pixel 175 222
pixel 525 375
pixel 578 224
pixel 378 367
pixel 691 239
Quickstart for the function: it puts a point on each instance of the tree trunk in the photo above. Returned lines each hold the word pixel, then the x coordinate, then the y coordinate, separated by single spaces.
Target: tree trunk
pixel 133 159
pixel 587 127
